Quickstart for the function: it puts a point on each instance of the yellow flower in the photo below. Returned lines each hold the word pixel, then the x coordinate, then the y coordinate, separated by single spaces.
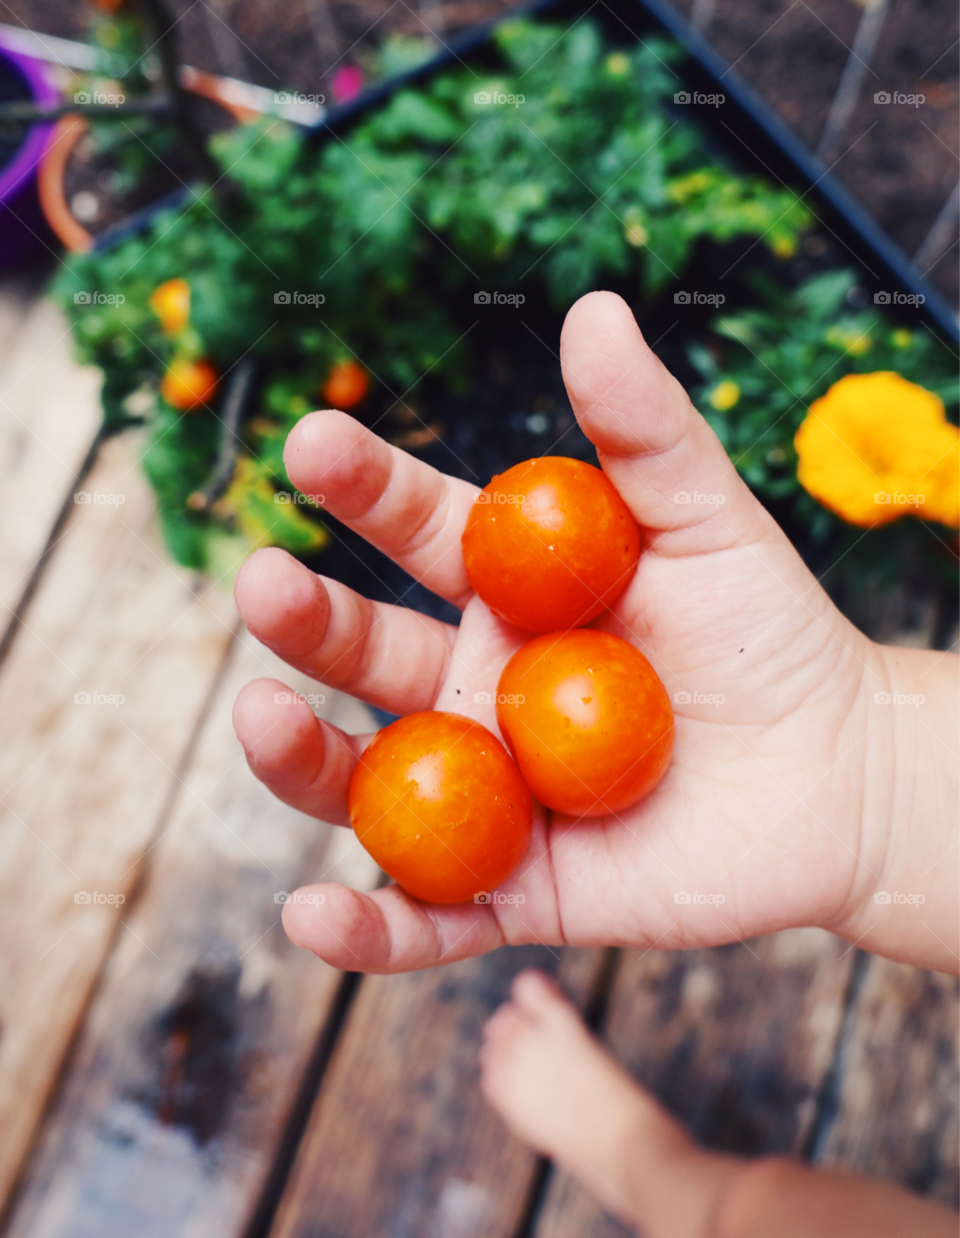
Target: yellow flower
pixel 877 447
pixel 901 338
pixel 635 231
pixel 725 395
pixel 618 65
pixel 849 340
pixel 784 246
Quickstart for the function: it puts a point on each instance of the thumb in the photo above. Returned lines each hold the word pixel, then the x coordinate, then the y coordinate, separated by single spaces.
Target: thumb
pixel 660 454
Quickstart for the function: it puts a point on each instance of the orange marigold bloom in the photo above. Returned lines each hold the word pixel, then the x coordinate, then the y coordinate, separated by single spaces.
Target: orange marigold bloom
pixel 877 447
pixel 171 304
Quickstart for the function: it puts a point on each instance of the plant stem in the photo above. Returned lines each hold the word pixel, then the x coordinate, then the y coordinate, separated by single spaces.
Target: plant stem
pixel 166 43
pixel 233 405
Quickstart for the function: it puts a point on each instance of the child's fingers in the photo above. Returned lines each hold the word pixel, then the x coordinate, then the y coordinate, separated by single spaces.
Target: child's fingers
pixel 654 446
pixel 389 656
pixel 305 762
pixel 387 931
pixel 410 511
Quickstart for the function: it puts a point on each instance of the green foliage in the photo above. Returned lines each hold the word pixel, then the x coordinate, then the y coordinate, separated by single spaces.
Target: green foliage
pixel 787 354
pixel 582 175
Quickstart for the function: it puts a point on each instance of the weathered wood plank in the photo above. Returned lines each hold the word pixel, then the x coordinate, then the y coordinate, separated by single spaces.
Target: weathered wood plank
pixel 83 786
pixel 196 1044
pixel 400 1141
pixel 897 1087
pixel 736 1041
pixel 49 417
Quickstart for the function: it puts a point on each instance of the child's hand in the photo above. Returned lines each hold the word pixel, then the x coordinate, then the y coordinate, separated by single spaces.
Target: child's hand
pixel 791 802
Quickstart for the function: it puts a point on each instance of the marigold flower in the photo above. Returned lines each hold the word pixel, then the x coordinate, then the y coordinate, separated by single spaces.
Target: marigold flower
pixel 877 447
pixel 171 304
pixel 725 395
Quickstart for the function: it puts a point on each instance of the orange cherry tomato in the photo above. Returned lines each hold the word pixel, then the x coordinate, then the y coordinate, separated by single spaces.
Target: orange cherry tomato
pixel 440 806
pixel 549 544
pixel 588 720
pixel 171 304
pixel 188 384
pixel 347 385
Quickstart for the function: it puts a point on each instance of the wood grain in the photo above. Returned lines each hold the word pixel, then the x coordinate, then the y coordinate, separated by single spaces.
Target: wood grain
pixel 400 1141
pixel 736 1041
pixel 896 1103
pixel 194 1049
pixel 84 786
pixel 49 417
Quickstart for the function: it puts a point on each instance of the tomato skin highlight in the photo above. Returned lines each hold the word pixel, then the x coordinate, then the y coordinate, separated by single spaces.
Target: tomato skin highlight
pixel 440 805
pixel 549 544
pixel 587 719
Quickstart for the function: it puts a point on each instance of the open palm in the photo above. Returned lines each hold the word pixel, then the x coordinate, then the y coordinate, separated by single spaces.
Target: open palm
pixel 758 823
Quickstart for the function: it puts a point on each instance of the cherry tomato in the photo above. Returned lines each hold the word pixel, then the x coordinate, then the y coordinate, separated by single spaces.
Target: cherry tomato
pixel 188 384
pixel 171 304
pixel 588 720
pixel 549 544
pixel 440 806
pixel 347 385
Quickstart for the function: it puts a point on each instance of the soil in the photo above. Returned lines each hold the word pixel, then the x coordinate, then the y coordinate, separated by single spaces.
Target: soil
pixel 899 161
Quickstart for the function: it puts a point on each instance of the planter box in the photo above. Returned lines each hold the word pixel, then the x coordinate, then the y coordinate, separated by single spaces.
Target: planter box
pixel 515 406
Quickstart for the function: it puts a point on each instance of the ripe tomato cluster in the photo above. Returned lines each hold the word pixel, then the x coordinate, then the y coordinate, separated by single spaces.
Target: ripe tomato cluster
pixel 436 798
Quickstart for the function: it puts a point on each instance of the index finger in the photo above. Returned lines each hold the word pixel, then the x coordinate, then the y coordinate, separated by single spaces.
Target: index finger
pixel 410 511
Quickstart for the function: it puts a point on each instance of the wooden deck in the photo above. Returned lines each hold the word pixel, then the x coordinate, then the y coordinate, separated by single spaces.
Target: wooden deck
pixel 172 1066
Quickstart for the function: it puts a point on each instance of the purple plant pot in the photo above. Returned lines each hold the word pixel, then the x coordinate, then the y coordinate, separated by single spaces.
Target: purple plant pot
pixel 24 232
